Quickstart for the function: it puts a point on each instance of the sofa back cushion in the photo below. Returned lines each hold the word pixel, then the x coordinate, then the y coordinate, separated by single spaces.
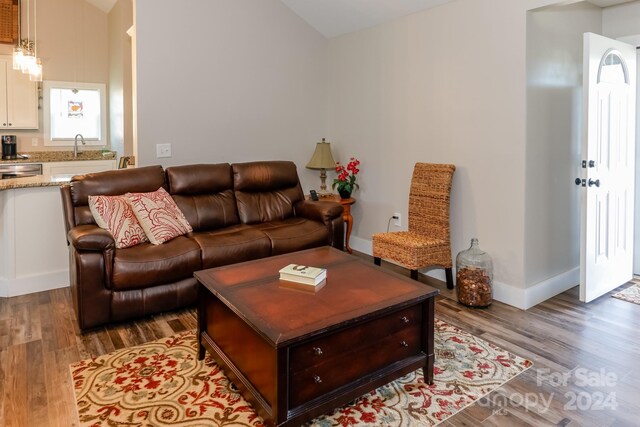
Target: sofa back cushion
pixel 266 191
pixel 111 183
pixel 204 194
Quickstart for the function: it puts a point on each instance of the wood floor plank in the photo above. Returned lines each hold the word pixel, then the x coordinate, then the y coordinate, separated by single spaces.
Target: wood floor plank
pixel 39 338
pixel 15 397
pixel 37 414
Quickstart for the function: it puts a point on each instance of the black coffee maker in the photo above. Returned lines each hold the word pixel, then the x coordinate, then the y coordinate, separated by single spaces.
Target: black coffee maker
pixel 9 147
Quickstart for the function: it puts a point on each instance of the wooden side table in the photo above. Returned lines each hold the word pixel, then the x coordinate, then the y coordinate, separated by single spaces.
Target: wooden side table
pixel 346 215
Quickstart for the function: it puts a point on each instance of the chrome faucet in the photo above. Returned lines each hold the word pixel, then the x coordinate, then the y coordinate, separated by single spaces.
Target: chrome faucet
pixel 75 145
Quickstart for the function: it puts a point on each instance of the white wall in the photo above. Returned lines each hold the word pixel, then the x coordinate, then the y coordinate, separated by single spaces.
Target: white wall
pixel 229 81
pixel 120 19
pixel 622 20
pixel 446 85
pixel 554 120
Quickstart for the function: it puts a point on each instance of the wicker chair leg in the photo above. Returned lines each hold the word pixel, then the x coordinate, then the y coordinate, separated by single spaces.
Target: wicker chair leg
pixel 414 274
pixel 449 275
pixel 376 260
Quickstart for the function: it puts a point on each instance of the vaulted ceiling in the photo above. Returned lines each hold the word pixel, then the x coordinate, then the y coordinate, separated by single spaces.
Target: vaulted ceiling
pixel 335 17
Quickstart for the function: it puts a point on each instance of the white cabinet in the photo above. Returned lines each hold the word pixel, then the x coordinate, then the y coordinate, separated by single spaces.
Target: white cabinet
pixel 63 171
pixel 18 98
pixel 32 241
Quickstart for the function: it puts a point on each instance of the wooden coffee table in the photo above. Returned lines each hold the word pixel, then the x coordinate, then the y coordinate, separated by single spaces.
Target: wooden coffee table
pixel 297 354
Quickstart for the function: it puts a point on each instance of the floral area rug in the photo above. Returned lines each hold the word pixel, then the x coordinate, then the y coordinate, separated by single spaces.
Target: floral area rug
pixel 630 294
pixel 162 383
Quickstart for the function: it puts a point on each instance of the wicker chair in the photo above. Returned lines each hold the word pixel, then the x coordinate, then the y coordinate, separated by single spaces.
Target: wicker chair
pixel 427 243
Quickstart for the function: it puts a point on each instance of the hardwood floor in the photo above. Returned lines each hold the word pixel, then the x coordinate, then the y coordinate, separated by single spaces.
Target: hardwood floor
pixel 583 355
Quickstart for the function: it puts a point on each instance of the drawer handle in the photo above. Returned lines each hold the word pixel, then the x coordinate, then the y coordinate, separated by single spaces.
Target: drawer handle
pixel 317 379
pixel 404 319
pixel 317 351
pixel 404 344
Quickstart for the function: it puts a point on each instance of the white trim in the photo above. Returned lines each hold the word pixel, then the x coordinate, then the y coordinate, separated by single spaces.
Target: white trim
pixel 31 284
pixel 551 287
pixel 46 115
pixel 361 245
pixel 505 293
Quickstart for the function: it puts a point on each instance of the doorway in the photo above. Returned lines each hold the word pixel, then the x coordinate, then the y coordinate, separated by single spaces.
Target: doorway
pixel 635 40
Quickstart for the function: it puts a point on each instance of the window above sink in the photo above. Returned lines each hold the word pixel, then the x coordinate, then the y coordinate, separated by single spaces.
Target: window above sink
pixel 74 108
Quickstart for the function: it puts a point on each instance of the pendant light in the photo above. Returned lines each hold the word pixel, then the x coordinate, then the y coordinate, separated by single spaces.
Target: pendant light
pixel 35 69
pixel 17 50
pixel 25 56
pixel 28 58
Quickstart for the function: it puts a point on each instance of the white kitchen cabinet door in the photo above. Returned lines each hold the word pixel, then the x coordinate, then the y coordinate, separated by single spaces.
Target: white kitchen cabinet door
pixel 18 98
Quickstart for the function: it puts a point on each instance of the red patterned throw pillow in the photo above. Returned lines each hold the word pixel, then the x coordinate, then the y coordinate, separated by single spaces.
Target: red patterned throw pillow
pixel 114 214
pixel 159 216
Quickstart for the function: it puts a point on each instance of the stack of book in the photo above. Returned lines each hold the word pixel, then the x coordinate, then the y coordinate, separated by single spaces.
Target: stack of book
pixel 311 276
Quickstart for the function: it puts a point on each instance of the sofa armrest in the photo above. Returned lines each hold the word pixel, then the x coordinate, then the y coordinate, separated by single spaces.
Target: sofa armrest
pixel 329 213
pixel 323 210
pixel 92 250
pixel 91 238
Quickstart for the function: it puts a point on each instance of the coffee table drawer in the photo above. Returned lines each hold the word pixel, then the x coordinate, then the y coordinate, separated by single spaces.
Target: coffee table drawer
pixel 353 363
pixel 357 337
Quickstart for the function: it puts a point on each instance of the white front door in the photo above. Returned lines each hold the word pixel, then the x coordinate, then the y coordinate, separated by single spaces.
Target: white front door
pixel 608 161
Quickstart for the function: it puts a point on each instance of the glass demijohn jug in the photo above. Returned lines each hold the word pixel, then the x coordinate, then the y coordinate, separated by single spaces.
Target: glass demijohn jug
pixel 474 276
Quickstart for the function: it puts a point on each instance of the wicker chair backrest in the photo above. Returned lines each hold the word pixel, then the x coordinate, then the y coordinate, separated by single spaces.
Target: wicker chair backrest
pixel 429 200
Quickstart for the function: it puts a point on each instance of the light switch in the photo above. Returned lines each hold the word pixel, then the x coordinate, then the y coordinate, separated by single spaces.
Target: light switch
pixel 34 142
pixel 163 150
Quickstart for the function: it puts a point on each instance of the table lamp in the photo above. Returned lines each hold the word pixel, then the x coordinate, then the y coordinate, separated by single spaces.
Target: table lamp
pixel 322 159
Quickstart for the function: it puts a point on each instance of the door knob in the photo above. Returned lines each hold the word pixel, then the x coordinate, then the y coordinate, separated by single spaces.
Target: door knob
pixel 592 182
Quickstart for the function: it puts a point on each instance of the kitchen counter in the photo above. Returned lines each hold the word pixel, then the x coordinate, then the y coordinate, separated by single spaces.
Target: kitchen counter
pixel 32 181
pixel 62 156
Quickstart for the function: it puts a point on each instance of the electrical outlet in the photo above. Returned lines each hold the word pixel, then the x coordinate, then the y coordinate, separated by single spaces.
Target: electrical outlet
pixel 397 219
pixel 163 150
pixel 34 142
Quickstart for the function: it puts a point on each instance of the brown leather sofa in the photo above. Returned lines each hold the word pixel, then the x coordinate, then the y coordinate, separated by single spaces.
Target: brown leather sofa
pixel 238 213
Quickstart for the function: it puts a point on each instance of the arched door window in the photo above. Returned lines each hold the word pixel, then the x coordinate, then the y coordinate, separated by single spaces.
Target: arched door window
pixel 612 68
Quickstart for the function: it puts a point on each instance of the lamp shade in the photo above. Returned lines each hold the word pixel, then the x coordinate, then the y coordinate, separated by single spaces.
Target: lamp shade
pixel 322 157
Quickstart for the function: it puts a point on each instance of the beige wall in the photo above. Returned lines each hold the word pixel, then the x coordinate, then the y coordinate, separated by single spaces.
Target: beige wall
pixel 229 81
pixel 446 85
pixel 120 114
pixel 554 130
pixel 73 46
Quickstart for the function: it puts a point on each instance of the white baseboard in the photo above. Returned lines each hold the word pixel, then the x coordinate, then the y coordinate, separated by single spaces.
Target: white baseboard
pixel 32 284
pixel 361 245
pixel 508 294
pixel 551 287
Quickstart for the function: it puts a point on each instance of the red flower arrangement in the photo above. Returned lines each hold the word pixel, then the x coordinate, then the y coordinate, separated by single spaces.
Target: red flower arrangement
pixel 346 180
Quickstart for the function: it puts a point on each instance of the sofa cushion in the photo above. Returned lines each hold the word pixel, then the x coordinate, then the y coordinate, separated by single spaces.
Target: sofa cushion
pixel 294 234
pixel 204 194
pixel 111 183
pixel 232 244
pixel 114 214
pixel 148 265
pixel 266 191
pixel 158 215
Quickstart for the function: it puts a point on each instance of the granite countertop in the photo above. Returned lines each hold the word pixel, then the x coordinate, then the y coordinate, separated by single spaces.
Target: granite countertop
pixel 61 156
pixel 31 181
